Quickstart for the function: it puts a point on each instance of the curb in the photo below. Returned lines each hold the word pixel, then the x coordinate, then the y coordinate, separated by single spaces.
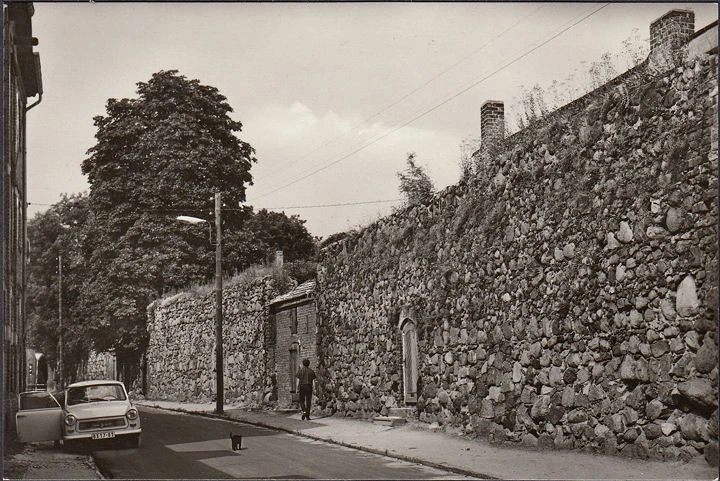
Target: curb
pixel 402 457
pixel 90 461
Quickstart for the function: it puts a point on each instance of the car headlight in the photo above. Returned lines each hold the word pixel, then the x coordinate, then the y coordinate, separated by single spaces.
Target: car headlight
pixel 70 420
pixel 132 414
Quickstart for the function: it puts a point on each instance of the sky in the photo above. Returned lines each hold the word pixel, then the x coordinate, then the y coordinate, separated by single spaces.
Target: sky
pixel 332 96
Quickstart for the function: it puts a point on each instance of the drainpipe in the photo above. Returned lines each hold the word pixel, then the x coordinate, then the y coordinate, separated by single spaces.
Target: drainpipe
pixel 38 77
pixel 34 104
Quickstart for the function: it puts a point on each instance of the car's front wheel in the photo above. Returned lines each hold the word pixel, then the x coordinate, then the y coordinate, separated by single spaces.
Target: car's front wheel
pixel 133 440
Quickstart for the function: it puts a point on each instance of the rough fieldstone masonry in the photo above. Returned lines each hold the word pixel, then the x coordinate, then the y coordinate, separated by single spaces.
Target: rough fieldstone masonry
pixel 181 351
pixel 100 365
pixel 564 298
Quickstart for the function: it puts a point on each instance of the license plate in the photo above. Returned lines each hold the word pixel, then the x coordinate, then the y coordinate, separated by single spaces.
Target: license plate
pixel 107 435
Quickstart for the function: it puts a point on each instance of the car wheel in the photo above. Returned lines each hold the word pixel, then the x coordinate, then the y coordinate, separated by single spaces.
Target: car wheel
pixel 133 441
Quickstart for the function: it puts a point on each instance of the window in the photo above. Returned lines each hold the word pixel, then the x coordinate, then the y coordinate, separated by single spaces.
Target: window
pixel 38 400
pixel 293 320
pixel 101 392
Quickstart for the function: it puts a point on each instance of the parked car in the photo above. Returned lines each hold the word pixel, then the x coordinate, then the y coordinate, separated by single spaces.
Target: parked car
pixel 88 410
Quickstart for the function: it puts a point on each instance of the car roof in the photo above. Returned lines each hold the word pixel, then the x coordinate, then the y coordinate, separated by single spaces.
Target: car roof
pixel 94 383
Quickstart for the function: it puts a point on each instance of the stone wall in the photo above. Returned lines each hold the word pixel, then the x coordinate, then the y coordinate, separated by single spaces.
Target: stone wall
pixel 181 351
pixel 100 365
pixel 564 298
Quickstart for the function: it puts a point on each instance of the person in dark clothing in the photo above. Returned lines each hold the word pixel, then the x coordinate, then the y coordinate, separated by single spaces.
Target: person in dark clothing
pixel 306 376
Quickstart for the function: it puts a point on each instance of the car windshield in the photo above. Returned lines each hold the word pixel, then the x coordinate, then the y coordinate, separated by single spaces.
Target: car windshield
pixel 95 393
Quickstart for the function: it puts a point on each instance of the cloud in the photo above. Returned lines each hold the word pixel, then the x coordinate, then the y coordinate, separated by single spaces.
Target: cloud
pixel 292 141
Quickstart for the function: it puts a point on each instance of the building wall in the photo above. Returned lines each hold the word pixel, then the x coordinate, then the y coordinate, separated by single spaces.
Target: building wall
pixel 295 327
pixel 19 83
pixel 566 297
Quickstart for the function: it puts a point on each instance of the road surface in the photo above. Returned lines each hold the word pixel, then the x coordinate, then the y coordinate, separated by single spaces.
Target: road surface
pixel 181 446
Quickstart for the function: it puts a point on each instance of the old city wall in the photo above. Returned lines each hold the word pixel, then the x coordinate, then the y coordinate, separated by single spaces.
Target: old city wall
pixel 181 350
pixel 566 297
pixel 99 365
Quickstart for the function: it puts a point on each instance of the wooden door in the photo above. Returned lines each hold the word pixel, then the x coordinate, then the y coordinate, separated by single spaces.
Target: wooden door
pixel 410 361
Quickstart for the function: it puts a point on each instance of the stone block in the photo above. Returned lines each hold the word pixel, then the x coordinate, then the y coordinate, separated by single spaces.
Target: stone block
pixel 699 391
pixel 707 357
pixel 391 421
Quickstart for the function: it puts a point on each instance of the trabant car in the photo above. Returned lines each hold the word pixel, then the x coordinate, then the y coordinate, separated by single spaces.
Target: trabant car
pixel 88 410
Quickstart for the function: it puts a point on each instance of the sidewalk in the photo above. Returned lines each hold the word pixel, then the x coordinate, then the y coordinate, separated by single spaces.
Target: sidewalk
pixel 45 461
pixel 415 442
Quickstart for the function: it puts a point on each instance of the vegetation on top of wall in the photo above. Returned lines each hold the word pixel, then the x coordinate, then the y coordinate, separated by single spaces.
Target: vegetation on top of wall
pixel 283 281
pixel 415 183
pixel 565 295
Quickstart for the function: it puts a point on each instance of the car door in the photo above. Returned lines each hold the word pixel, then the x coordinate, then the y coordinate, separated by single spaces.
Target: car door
pixel 39 417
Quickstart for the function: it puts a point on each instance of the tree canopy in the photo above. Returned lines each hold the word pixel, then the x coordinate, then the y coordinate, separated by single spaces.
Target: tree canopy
pixel 162 154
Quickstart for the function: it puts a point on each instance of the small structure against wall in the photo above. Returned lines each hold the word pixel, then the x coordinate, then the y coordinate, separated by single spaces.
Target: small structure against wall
pixel 293 321
pixel 668 35
pixel 492 121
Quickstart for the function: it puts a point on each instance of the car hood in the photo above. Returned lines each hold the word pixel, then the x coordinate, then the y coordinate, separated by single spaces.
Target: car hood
pixel 99 409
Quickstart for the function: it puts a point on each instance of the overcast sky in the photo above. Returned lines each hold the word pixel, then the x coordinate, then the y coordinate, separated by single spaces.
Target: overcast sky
pixel 337 87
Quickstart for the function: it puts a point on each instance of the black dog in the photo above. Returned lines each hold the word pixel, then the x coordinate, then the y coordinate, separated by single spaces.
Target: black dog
pixel 236 440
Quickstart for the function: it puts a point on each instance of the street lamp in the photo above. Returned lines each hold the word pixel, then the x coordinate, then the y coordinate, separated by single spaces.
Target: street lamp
pixel 220 388
pixel 60 365
pixel 61 341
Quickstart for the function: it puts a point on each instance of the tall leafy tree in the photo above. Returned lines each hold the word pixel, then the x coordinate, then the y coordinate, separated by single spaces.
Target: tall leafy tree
pixel 164 153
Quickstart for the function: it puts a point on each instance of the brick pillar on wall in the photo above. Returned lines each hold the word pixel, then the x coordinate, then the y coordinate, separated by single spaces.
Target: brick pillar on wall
pixel 492 122
pixel 668 35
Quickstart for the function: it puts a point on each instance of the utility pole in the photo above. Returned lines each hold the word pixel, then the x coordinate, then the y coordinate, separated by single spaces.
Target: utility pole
pixel 220 389
pixel 60 326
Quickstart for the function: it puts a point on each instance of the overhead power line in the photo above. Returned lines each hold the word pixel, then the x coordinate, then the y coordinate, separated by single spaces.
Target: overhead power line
pixel 341 204
pixel 416 89
pixel 436 106
pixel 337 205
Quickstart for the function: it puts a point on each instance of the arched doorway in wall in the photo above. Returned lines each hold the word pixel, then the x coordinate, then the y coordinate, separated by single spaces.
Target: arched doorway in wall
pixel 410 360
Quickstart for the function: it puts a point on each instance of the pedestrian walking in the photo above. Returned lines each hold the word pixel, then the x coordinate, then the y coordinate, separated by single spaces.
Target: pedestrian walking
pixel 306 376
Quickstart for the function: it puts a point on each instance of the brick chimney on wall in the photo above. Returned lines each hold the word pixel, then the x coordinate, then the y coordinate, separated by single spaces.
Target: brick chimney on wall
pixel 492 122
pixel 668 35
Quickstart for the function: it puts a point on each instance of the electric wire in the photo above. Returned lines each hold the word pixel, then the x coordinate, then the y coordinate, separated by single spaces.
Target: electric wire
pixel 416 89
pixel 445 101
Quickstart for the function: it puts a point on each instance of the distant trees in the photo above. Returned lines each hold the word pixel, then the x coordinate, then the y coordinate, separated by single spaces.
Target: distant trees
pixel 415 183
pixel 59 233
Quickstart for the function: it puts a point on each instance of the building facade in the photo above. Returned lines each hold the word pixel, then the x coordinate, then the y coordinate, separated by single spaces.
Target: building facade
pixel 21 81
pixel 292 338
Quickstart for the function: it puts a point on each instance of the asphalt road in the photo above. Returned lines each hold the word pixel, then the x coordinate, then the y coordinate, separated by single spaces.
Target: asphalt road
pixel 181 446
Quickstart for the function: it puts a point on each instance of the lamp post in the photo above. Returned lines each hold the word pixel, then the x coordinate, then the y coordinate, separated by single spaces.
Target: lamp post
pixel 61 377
pixel 219 375
pixel 61 341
